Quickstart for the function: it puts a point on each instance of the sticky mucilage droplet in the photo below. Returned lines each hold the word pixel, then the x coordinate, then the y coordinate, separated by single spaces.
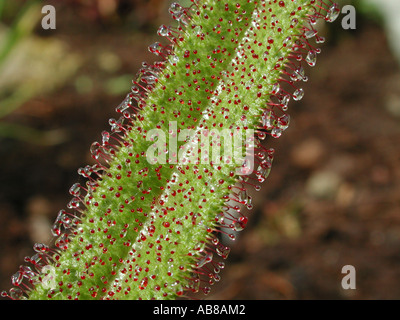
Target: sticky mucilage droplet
pixel 333 13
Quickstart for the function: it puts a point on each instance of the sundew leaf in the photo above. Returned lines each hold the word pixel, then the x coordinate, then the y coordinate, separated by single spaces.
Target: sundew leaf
pixel 172 175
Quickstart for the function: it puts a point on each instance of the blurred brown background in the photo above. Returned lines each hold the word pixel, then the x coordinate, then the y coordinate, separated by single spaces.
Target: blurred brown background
pixel 333 196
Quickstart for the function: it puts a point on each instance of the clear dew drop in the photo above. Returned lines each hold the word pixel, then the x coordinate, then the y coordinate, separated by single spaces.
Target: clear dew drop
pixel 264 169
pixel 275 88
pixel 261 135
pixel 175 8
pixel 223 251
pixel 333 13
pixel 163 31
pixel 284 102
pixel 149 79
pixel 95 149
pixel 55 229
pixel 200 246
pixel 178 13
pixel 173 59
pixel 283 121
pixel 155 48
pixel 276 132
pixel 299 57
pixel 311 58
pixel 319 39
pixel 40 247
pixel 310 33
pixel 116 124
pixel 16 278
pixel 217 269
pixel 135 89
pixel 105 135
pixel 220 217
pixel 215 241
pixel 75 190
pixel 16 293
pixel 243 197
pixel 299 74
pixel 67 222
pixel 268 119
pixel 298 94
pixel 74 203
pixel 37 259
pixel 62 241
pixel 313 20
pixel 271 152
pixel 204 260
pixel 240 224
pixel 82 172
pixel 27 271
pixel 287 41
pixel 249 204
pixel 246 168
pixel 125 104
pixel 206 290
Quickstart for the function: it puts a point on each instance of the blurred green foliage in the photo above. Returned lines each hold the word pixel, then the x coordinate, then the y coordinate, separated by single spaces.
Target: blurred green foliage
pixel 29 66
